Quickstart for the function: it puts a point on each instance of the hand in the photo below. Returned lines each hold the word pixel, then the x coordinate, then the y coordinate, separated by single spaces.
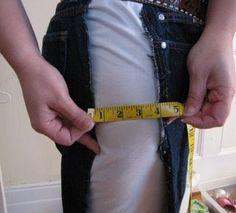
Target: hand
pixel 212 80
pixel 52 112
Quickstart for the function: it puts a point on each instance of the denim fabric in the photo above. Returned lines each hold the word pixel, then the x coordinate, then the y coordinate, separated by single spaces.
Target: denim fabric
pixel 65 46
pixel 180 33
pixel 194 8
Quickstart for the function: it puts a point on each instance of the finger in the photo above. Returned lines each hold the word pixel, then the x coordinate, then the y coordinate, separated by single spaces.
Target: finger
pixel 197 92
pixel 52 126
pixel 200 122
pixel 57 130
pixel 90 143
pixel 211 115
pixel 75 115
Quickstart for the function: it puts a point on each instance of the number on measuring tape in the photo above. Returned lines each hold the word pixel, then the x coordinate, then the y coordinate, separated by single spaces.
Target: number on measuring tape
pixel 146 111
pixel 133 112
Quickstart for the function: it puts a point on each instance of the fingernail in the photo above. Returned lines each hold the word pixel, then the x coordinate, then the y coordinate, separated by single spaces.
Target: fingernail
pixel 189 111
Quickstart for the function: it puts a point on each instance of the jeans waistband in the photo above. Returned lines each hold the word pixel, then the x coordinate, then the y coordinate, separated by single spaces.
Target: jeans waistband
pixel 195 8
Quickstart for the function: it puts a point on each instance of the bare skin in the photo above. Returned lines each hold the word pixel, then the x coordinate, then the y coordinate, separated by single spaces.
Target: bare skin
pixel 53 113
pixel 51 110
pixel 211 68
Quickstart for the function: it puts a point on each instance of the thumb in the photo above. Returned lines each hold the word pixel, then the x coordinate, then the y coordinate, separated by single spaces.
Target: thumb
pixel 196 95
pixel 78 118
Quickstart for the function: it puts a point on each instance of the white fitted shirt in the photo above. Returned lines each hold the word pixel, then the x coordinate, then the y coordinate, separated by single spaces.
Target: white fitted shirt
pixel 128 175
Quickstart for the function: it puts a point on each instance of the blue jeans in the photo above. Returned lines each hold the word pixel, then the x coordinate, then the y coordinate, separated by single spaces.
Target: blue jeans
pixel 65 46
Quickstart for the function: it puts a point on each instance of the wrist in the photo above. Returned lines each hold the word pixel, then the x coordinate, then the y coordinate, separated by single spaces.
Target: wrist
pixel 24 62
pixel 221 18
pixel 217 36
pixel 224 33
pixel 31 64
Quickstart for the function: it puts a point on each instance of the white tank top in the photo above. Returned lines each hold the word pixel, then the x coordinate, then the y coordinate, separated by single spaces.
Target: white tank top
pixel 127 176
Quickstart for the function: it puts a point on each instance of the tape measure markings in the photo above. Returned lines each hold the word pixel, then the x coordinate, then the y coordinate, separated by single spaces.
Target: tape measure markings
pixel 147 111
pixel 134 112
pixel 191 143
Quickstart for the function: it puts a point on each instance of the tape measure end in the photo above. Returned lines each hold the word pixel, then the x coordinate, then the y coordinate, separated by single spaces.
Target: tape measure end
pixel 91 112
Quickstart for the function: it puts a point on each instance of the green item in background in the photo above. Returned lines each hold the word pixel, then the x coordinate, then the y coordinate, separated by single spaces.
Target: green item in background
pixel 198 207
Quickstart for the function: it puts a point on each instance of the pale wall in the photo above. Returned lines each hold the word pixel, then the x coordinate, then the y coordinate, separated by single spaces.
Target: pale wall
pixel 26 157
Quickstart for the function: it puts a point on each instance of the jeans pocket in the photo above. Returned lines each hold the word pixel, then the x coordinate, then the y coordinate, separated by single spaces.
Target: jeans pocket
pixel 55 49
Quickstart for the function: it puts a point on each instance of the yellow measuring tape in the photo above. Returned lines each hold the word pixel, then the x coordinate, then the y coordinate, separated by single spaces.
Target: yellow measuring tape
pixel 135 112
pixel 146 111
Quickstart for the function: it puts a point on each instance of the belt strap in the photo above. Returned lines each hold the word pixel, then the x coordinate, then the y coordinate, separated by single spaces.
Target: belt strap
pixel 194 8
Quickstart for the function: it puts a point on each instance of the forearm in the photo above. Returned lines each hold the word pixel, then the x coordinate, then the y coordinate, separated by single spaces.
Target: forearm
pixel 221 17
pixel 17 40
